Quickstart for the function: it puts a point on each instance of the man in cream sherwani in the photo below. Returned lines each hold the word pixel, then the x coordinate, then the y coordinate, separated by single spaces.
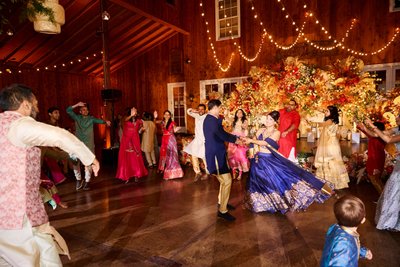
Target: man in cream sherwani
pixel 26 237
pixel 196 147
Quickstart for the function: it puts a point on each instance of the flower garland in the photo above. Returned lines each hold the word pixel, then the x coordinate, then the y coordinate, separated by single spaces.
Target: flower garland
pixel 342 84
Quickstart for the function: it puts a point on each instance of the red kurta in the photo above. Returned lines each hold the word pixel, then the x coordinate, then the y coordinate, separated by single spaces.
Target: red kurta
pixel 286 120
pixel 130 161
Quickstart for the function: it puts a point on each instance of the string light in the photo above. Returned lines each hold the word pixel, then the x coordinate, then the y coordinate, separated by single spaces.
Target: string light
pixel 219 64
pixel 293 23
pixel 79 59
pixel 308 15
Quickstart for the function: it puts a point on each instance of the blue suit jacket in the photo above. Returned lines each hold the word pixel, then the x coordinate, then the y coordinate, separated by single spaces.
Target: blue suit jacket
pixel 341 249
pixel 215 136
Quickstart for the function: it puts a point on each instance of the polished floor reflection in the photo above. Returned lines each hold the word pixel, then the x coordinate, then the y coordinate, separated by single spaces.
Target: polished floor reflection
pixel 173 223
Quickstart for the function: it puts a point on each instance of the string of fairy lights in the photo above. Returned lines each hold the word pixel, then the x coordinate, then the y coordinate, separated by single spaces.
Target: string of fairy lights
pixel 309 17
pixel 63 65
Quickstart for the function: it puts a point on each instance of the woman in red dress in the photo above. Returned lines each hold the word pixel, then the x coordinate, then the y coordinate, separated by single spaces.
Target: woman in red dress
pixel 130 160
pixel 376 156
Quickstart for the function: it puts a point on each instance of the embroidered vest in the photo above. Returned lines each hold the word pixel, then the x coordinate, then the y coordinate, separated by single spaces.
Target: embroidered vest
pixel 19 180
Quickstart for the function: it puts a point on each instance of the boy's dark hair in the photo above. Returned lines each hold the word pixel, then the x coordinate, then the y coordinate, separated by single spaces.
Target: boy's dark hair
pixel 349 211
pixel 202 105
pixel 12 96
pixel 52 109
pixel 212 103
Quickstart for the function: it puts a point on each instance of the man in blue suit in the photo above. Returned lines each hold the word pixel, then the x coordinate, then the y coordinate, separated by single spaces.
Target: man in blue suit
pixel 217 163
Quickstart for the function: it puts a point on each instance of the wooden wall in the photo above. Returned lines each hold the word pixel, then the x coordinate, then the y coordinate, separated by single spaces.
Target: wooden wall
pixel 62 90
pixel 144 81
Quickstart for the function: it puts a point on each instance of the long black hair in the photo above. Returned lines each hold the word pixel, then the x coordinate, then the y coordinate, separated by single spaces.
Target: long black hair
pixel 333 114
pixel 170 119
pixel 243 119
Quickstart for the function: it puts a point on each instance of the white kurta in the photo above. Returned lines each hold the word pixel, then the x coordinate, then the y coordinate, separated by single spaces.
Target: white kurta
pixel 196 147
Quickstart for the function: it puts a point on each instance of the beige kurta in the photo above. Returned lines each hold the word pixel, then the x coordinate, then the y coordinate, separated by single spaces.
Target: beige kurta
pixel 148 136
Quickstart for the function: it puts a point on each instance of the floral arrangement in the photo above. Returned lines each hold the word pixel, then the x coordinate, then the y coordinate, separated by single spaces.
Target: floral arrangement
pixel 343 84
pixel 356 166
pixel 386 108
pixel 305 160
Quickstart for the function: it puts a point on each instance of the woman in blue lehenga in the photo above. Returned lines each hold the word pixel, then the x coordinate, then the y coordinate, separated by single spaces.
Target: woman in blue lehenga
pixel 276 183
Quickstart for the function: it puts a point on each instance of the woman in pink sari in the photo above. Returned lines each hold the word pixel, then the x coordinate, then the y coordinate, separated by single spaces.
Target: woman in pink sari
pixel 130 160
pixel 169 159
pixel 237 154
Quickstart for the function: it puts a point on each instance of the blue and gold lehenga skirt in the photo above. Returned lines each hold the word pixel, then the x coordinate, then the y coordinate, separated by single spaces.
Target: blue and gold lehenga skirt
pixel 277 184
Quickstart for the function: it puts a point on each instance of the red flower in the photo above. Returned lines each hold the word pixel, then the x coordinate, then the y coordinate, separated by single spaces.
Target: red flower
pixel 389 169
pixel 342 99
pixel 255 86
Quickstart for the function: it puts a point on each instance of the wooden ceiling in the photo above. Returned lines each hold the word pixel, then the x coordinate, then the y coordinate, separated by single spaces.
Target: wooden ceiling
pixel 77 49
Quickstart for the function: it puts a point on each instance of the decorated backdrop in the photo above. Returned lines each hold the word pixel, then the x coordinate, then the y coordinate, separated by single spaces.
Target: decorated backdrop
pixel 343 84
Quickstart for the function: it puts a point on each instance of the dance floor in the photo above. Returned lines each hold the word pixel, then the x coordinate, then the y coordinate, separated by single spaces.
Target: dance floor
pixel 173 223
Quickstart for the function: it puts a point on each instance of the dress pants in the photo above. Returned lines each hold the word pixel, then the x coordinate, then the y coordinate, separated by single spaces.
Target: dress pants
pixel 225 181
pixel 28 247
pixel 196 164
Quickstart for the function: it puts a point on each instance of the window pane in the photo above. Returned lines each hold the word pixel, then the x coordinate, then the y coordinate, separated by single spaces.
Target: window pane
pixel 380 79
pixel 397 78
pixel 222 23
pixel 227 11
pixel 234 11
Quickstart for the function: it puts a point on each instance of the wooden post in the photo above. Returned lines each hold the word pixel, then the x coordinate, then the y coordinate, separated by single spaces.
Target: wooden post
pixel 110 136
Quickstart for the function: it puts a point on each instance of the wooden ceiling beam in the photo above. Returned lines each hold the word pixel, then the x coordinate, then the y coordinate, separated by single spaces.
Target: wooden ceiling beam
pixel 141 50
pixel 127 46
pixel 133 37
pixel 132 32
pixel 56 43
pixel 135 43
pixel 134 9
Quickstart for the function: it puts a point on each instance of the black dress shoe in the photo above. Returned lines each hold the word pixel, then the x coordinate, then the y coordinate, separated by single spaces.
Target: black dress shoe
pixel 227 216
pixel 79 184
pixel 86 186
pixel 228 206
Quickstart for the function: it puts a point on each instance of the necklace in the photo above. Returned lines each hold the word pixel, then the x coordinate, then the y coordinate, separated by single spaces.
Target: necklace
pixel 269 133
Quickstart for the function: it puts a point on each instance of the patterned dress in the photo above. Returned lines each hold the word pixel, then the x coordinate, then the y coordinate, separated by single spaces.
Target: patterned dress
pixel 328 158
pixel 237 154
pixel 169 159
pixel 387 216
pixel 277 184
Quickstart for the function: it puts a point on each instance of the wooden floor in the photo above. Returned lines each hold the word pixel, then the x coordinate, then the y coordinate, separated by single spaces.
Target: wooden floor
pixel 173 223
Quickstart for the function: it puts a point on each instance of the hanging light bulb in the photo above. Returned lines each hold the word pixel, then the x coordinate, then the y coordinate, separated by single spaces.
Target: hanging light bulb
pixel 9 32
pixel 105 15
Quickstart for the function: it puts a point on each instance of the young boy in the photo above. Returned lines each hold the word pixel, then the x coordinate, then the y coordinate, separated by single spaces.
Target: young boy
pixel 342 244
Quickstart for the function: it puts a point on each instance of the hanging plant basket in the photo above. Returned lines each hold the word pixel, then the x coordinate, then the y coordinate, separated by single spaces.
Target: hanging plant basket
pixel 47 22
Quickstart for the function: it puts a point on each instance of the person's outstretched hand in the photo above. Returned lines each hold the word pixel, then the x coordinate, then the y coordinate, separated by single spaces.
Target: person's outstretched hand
pixel 96 167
